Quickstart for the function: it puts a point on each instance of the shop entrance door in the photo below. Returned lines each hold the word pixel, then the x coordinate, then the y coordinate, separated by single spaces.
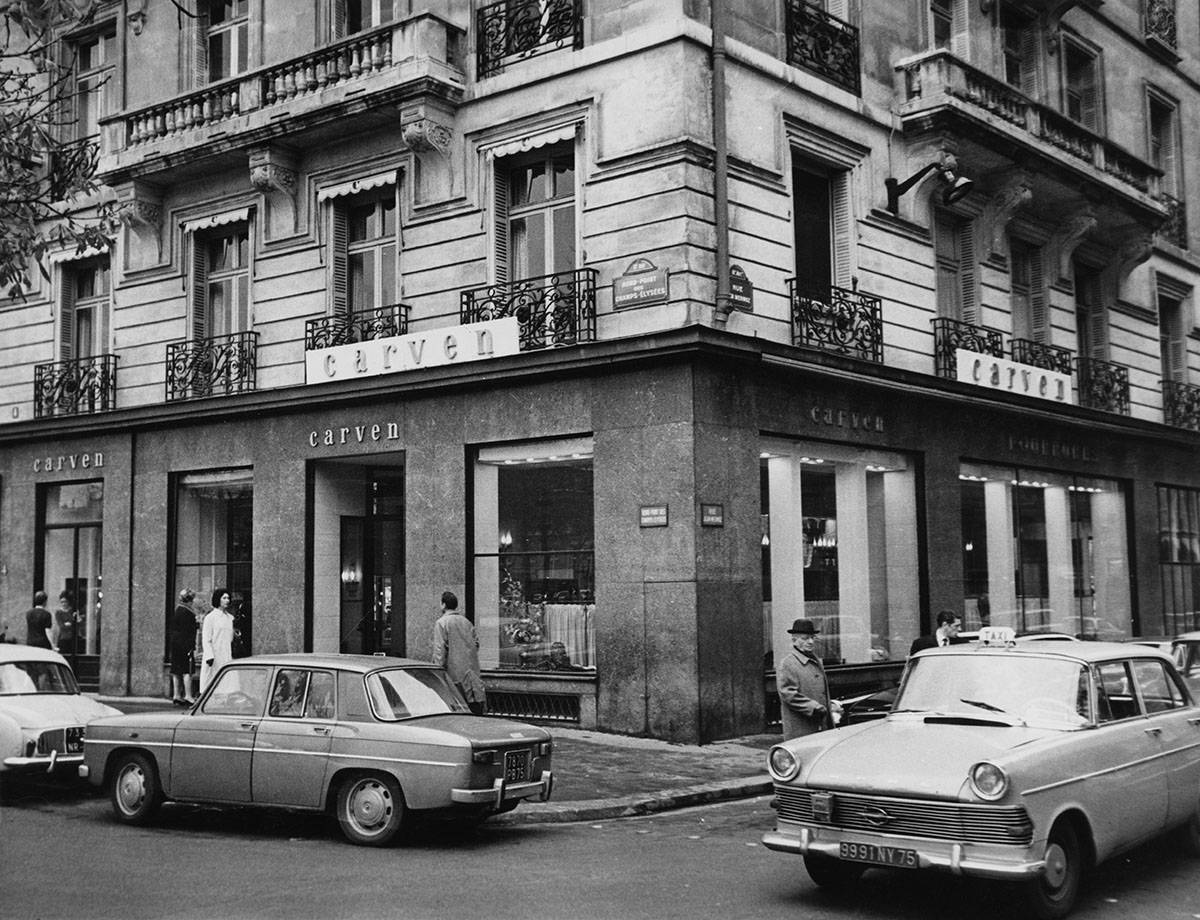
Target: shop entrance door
pixel 372 570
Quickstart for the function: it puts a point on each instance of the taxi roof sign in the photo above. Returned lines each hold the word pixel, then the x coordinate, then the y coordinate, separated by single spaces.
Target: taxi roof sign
pixel 997 635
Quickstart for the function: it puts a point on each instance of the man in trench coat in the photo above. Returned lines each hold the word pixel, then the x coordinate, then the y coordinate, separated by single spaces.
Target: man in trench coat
pixel 803 687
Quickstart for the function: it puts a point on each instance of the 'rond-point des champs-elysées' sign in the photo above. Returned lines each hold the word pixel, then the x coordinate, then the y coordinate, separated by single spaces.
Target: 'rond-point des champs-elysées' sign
pixel 493 338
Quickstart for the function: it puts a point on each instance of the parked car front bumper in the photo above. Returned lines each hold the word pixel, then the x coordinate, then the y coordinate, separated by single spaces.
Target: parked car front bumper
pixel 982 860
pixel 47 762
pixel 502 792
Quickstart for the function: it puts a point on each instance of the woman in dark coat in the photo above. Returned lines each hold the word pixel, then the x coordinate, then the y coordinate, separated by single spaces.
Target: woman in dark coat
pixel 183 643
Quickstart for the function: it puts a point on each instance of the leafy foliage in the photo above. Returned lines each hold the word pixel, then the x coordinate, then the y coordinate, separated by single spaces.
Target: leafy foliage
pixel 43 170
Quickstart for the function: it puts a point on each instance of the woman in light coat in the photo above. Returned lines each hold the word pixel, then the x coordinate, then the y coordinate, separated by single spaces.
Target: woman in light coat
pixel 216 637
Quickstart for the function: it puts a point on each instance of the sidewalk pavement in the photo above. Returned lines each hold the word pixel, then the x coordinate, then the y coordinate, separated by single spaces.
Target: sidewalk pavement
pixel 599 776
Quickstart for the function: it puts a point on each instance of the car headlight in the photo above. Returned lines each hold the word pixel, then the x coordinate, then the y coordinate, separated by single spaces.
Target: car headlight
pixel 783 763
pixel 988 781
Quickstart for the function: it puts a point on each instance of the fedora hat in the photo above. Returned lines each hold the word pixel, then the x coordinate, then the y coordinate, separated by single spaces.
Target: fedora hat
pixel 804 627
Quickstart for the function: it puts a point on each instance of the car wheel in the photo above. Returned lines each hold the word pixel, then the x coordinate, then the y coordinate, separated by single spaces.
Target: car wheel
pixel 833 873
pixel 1052 895
pixel 370 809
pixel 135 792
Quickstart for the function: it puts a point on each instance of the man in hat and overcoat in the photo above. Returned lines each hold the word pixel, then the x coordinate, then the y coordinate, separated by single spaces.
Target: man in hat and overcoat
pixel 803 687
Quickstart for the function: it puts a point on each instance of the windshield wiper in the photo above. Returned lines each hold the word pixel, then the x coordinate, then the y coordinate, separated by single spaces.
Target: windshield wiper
pixel 982 705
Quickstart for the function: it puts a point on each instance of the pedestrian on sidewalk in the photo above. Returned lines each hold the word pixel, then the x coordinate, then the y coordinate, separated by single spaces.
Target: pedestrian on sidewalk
pixel 183 642
pixel 216 637
pixel 65 618
pixel 456 648
pixel 39 624
pixel 802 685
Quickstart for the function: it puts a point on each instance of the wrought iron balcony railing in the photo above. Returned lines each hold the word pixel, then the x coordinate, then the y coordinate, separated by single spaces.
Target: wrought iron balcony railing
pixel 1039 354
pixel 835 319
pixel 516 30
pixel 823 44
pixel 935 78
pixel 1181 404
pixel 77 387
pixel 217 366
pixel 359 326
pixel 1174 230
pixel 1102 385
pixel 552 310
pixel 1160 22
pixel 952 334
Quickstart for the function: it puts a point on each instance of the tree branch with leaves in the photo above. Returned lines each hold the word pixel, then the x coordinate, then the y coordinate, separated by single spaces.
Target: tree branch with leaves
pixel 46 174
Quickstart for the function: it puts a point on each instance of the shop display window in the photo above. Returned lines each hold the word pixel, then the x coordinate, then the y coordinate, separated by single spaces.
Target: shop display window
pixel 71 519
pixel 214 513
pixel 839 547
pixel 535 576
pixel 1044 552
pixel 1179 558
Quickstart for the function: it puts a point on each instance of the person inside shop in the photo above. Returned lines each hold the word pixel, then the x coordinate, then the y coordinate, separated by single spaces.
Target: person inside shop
pixel 559 659
pixel 39 624
pixel 803 687
pixel 948 625
pixel 456 648
pixel 216 637
pixel 183 645
pixel 65 618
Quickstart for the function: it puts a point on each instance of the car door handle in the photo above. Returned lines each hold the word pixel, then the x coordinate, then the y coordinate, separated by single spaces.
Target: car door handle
pixel 320 729
pixel 1195 720
pixel 249 726
pixel 1154 731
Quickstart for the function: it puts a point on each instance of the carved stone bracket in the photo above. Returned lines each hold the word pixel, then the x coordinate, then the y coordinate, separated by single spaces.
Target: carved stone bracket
pixel 139 208
pixel 1135 247
pixel 428 131
pixel 273 172
pixel 999 211
pixel 1060 248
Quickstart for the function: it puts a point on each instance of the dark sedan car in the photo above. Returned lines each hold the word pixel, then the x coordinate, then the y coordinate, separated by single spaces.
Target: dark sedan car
pixel 371 739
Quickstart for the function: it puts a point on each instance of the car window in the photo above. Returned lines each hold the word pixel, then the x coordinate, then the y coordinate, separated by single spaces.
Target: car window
pixel 401 693
pixel 238 692
pixel 1159 692
pixel 321 696
pixel 287 694
pixel 18 677
pixel 1115 699
pixel 353 699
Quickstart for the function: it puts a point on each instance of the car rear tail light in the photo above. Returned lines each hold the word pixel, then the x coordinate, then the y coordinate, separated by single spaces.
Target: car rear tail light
pixel 488 757
pixel 544 749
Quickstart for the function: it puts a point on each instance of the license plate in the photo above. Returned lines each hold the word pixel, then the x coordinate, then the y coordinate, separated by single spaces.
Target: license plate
pixel 516 766
pixel 75 740
pixel 879 855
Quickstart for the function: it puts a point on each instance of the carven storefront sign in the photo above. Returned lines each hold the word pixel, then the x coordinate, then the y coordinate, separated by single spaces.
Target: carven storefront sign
pixel 93 460
pixel 434 348
pixel 1001 374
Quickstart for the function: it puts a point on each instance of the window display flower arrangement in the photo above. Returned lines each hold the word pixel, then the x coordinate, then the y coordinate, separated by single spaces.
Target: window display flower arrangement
pixel 522 621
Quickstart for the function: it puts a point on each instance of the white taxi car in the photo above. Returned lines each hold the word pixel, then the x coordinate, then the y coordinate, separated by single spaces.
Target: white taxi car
pixel 42 713
pixel 1026 762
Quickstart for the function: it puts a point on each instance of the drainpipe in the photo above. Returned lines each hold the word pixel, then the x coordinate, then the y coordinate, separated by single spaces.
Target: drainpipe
pixel 722 305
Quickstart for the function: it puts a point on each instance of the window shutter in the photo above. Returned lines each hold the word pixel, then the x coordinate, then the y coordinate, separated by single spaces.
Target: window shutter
pixel 500 222
pixel 960 32
pixel 1168 155
pixel 1030 61
pixel 338 272
pixel 838 8
pixel 199 328
pixel 1039 309
pixel 66 315
pixel 200 76
pixel 1098 331
pixel 968 297
pixel 338 26
pixel 843 229
pixel 1176 340
pixel 1089 97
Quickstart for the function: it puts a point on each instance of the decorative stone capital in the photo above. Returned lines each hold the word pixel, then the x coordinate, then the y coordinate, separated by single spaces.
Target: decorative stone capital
pixel 139 208
pixel 424 135
pixel 271 170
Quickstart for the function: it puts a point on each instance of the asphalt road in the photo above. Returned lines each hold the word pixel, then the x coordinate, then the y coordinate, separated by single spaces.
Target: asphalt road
pixel 62 856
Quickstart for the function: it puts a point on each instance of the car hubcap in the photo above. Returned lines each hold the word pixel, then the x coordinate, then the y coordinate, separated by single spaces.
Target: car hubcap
pixel 1056 867
pixel 131 789
pixel 370 806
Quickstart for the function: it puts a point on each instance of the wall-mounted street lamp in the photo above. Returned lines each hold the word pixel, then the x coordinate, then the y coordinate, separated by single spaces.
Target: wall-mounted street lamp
pixel 955 187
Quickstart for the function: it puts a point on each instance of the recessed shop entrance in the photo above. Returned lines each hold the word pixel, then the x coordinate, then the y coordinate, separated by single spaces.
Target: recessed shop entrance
pixel 358 583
